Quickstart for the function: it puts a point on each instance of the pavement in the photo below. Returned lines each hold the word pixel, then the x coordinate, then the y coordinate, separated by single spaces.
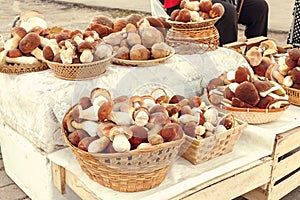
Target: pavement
pixel 77 13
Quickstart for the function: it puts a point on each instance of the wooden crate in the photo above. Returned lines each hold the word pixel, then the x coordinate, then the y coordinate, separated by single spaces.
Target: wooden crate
pixel 285 174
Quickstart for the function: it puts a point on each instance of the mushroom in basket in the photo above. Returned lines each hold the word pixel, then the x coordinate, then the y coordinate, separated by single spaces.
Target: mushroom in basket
pixel 241 89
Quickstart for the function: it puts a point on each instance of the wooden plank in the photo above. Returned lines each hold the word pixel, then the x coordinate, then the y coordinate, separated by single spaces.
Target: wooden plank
pixel 286 166
pixel 288 142
pixel 58 176
pixel 79 188
pixel 229 187
pixel 286 186
pixel 257 194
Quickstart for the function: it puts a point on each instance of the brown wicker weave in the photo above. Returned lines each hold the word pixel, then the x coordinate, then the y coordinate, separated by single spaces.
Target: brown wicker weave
pixel 23 68
pixel 192 25
pixel 254 115
pixel 294 95
pixel 131 171
pixel 200 150
pixel 194 40
pixel 79 71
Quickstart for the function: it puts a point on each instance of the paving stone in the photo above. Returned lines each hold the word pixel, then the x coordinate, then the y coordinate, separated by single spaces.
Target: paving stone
pixel 4 179
pixel 11 192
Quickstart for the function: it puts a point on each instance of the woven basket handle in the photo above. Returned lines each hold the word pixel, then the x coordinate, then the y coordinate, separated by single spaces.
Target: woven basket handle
pixel 226 115
pixel 157 89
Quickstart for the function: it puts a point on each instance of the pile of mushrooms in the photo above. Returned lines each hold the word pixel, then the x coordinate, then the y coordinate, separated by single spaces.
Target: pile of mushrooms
pixel 197 11
pixel 287 70
pixel 33 42
pixel 99 123
pixel 241 88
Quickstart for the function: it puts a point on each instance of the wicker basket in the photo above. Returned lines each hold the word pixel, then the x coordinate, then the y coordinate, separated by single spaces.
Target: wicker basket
pixel 79 71
pixel 194 40
pixel 197 151
pixel 254 115
pixel 143 63
pixel 23 68
pixel 192 25
pixel 132 171
pixel 294 95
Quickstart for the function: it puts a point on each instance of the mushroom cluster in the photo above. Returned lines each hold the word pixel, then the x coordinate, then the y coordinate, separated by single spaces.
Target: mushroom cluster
pixel 261 58
pixel 197 11
pixel 240 88
pixel 24 45
pixel 32 42
pixel 99 123
pixel 287 72
pixel 142 39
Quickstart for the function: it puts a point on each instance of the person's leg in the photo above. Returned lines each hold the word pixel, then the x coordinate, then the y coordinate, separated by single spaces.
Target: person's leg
pixel 254 15
pixel 227 24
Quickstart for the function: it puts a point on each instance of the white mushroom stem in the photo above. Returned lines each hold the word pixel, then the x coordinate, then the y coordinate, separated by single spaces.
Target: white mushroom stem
pixel 98 145
pixel 44 41
pixel 153 136
pixel 22 60
pixel 67 55
pixel 120 118
pixel 38 53
pixel 188 118
pixel 121 143
pixel 12 43
pixel 78 39
pixel 144 146
pixel 86 56
pixel 99 100
pixel 3 56
pixel 141 118
pixel 89 126
pixel 90 113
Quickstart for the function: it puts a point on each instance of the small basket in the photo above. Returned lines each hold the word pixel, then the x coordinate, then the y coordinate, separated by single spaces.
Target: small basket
pixel 132 171
pixel 79 71
pixel 192 25
pixel 200 150
pixel 294 95
pixel 23 68
pixel 254 115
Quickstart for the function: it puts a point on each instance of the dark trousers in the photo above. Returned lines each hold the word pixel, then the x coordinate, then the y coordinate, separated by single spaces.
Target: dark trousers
pixel 254 15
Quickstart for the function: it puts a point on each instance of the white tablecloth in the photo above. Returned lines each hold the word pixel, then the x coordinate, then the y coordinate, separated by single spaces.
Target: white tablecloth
pixel 34 103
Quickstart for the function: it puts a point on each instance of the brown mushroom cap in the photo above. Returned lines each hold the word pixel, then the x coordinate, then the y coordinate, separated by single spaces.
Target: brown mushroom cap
pixel 85 45
pixel 48 53
pixel 14 53
pixel 96 92
pixel 18 31
pixel 119 130
pixel 171 132
pixel 254 56
pixel 247 92
pixel 29 42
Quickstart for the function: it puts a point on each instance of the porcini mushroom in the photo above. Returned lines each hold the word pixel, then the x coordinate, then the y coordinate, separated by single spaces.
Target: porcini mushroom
pixel 141 116
pixel 30 44
pixel 90 127
pixel 119 136
pixel 86 50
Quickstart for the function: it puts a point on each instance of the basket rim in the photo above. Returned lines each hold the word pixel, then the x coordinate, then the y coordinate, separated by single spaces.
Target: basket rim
pixel 214 20
pixel 292 89
pixel 16 68
pixel 143 63
pixel 255 110
pixel 78 64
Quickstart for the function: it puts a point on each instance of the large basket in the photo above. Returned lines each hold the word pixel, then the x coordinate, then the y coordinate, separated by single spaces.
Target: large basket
pixel 200 150
pixel 23 68
pixel 294 95
pixel 192 25
pixel 132 171
pixel 193 41
pixel 254 115
pixel 79 71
